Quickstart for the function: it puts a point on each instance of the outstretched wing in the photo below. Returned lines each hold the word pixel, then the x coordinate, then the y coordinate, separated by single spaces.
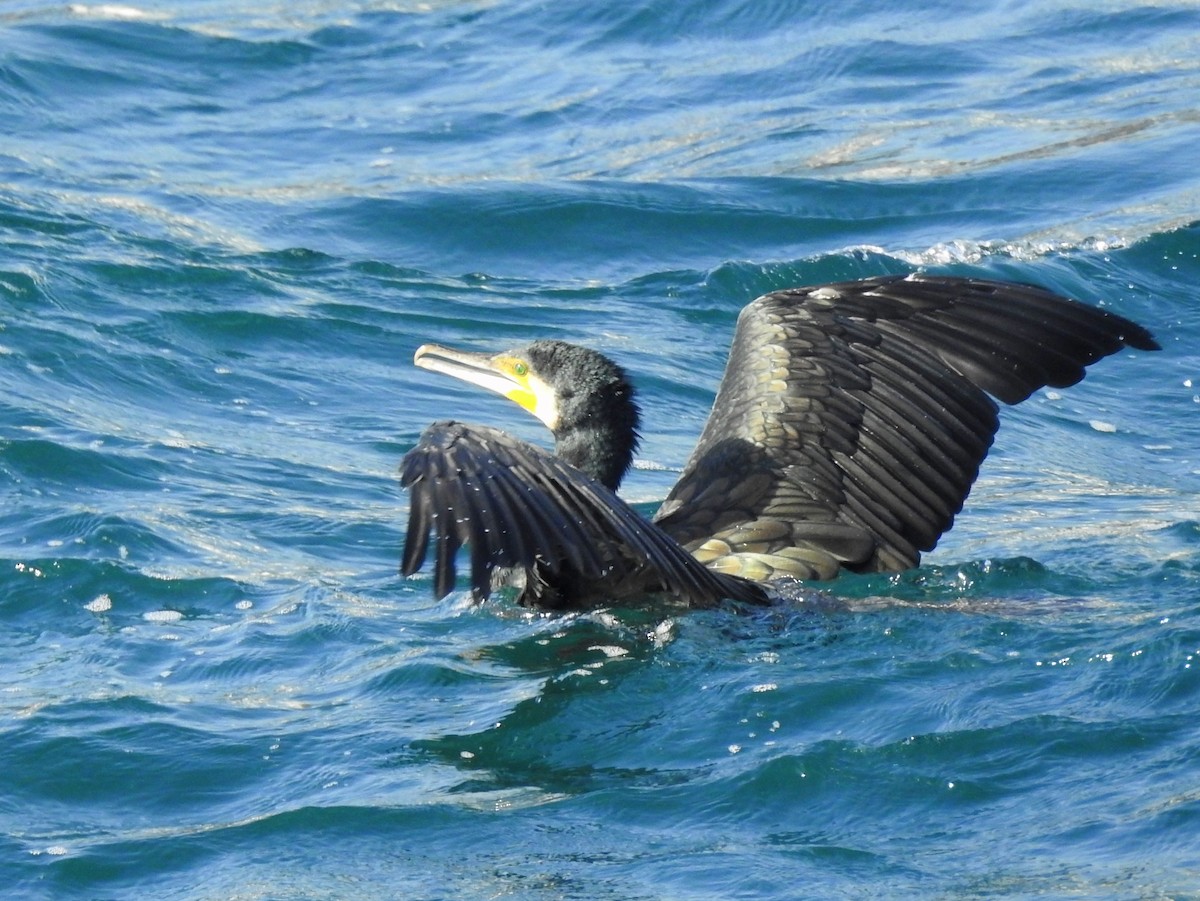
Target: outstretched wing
pixel 852 417
pixel 517 506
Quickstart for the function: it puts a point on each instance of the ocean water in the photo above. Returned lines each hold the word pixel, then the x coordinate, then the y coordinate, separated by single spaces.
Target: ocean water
pixel 224 228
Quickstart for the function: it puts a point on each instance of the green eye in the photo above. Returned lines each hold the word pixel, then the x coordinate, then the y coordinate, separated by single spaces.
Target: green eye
pixel 520 369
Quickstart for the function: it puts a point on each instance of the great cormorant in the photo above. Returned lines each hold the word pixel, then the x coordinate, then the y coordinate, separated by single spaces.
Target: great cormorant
pixel 847 430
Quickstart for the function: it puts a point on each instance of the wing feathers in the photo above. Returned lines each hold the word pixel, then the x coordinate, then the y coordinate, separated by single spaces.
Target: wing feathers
pixel 517 507
pixel 882 415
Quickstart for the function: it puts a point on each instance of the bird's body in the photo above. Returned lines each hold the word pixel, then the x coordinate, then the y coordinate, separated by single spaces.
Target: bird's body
pixel 847 430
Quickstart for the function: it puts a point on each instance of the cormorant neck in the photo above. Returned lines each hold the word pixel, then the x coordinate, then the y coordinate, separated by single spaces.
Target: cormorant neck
pixel 600 449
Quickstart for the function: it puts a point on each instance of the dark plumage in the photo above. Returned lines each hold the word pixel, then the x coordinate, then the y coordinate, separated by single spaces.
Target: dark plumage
pixel 847 431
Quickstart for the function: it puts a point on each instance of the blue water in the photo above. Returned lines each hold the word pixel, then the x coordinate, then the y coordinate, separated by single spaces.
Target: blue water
pixel 225 226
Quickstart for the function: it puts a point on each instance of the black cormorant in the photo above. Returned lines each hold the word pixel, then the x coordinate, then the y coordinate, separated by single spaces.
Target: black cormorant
pixel 847 430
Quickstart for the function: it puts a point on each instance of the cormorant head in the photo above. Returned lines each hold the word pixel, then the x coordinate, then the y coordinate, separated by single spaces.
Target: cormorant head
pixel 584 398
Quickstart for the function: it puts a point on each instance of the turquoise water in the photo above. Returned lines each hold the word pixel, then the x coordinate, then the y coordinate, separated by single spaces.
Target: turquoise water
pixel 227 225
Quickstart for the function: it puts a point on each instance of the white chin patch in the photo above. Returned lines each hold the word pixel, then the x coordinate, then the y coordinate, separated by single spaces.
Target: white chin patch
pixel 547 403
